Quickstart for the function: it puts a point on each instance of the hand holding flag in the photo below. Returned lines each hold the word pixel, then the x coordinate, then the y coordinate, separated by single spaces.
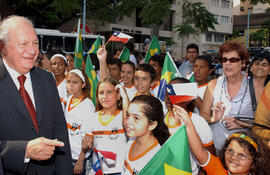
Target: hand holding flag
pixel 119 36
pixel 94 48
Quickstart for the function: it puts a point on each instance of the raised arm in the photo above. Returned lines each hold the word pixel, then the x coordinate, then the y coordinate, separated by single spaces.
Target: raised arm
pixel 205 110
pixel 194 140
pixel 102 56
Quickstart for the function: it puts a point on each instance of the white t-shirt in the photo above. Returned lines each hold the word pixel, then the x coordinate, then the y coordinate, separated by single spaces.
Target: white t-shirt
pixel 76 117
pixel 62 91
pixel 154 90
pixel 133 165
pixel 131 91
pixel 204 132
pixel 109 137
pixel 201 91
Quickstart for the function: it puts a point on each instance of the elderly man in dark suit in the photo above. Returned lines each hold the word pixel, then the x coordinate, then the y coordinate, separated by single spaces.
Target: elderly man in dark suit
pixel 33 132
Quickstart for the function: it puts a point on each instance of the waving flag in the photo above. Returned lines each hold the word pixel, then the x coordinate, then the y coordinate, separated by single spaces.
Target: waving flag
pixel 169 72
pixel 94 48
pixel 191 77
pixel 182 92
pixel 124 55
pixel 173 158
pixel 97 163
pixel 119 36
pixel 78 48
pixel 154 49
pixel 92 77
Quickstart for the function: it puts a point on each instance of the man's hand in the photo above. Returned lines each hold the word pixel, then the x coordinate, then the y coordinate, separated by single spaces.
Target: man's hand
pixel 41 148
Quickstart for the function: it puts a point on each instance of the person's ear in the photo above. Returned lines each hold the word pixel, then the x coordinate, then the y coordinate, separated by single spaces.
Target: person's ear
pixel 153 125
pixel 83 85
pixel 3 50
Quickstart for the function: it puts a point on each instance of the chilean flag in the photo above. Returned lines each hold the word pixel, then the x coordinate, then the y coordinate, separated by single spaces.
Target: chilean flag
pixel 182 92
pixel 119 36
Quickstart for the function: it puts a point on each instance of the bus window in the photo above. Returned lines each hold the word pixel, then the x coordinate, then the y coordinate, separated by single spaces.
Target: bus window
pixel 40 43
pixel 70 44
pixel 52 42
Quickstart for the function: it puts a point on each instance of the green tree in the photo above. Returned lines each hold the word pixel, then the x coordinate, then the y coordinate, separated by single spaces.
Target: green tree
pixel 46 13
pixel 196 19
pixel 260 36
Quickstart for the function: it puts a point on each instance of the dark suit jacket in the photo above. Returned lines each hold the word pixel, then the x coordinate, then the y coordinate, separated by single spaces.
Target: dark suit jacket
pixel 16 126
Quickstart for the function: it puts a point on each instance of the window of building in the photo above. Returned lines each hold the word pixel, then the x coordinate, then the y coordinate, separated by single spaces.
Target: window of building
pixel 208 37
pixel 224 20
pixel 216 18
pixel 225 4
pixel 242 9
pixel 218 38
pixel 215 3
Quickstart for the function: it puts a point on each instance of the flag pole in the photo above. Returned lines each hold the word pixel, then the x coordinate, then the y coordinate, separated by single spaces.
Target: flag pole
pixel 107 43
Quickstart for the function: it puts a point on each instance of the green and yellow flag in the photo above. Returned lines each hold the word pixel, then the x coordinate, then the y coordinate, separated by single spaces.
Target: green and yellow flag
pixel 92 77
pixel 124 55
pixel 173 158
pixel 153 49
pixel 169 72
pixel 191 77
pixel 78 48
pixel 94 48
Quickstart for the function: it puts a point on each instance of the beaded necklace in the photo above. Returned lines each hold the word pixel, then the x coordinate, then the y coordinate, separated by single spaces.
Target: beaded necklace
pixel 226 93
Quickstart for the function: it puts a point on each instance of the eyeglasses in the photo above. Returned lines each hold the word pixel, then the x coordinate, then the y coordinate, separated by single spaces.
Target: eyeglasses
pixel 239 156
pixel 232 60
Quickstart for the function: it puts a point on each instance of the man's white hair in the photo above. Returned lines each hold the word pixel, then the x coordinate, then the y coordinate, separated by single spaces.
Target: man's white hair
pixel 8 22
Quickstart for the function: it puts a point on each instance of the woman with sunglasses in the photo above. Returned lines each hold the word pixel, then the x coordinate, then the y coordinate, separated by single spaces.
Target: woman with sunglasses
pixel 228 96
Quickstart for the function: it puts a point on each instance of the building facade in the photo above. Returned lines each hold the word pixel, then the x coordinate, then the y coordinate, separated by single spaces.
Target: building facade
pixel 208 42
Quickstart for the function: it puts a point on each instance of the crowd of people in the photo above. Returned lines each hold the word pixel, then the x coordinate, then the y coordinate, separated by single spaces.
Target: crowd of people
pixel 49 124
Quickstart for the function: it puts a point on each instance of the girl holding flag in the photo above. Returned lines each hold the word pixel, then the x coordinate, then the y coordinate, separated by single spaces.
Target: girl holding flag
pixel 186 99
pixel 106 134
pixel 242 152
pixel 77 112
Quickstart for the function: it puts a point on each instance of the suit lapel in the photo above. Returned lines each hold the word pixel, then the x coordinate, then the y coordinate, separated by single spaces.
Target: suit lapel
pixel 39 92
pixel 10 92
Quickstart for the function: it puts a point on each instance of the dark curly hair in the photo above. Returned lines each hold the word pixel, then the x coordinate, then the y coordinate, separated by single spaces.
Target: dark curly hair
pixel 153 111
pixel 260 164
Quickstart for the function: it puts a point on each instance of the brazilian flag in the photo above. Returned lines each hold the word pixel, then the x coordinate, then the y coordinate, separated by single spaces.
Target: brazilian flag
pixel 94 48
pixel 154 49
pixel 173 158
pixel 169 72
pixel 78 48
pixel 92 77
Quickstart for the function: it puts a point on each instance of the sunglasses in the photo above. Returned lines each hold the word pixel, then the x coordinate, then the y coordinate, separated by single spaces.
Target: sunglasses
pixel 232 60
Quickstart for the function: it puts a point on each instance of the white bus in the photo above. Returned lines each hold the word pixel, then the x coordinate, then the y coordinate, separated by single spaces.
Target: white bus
pixel 51 39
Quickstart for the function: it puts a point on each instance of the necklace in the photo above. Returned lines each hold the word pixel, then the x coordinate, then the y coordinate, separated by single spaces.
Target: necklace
pixel 240 100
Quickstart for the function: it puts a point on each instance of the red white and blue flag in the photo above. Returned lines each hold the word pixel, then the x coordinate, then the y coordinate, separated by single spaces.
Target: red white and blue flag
pixel 119 36
pixel 182 92
pixel 102 160
pixel 97 163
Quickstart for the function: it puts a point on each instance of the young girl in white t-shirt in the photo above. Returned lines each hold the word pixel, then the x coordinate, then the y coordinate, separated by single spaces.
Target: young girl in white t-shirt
pixel 78 108
pixel 147 132
pixel 106 134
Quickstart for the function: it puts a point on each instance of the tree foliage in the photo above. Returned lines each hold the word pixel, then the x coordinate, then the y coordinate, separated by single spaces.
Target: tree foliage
pixel 46 13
